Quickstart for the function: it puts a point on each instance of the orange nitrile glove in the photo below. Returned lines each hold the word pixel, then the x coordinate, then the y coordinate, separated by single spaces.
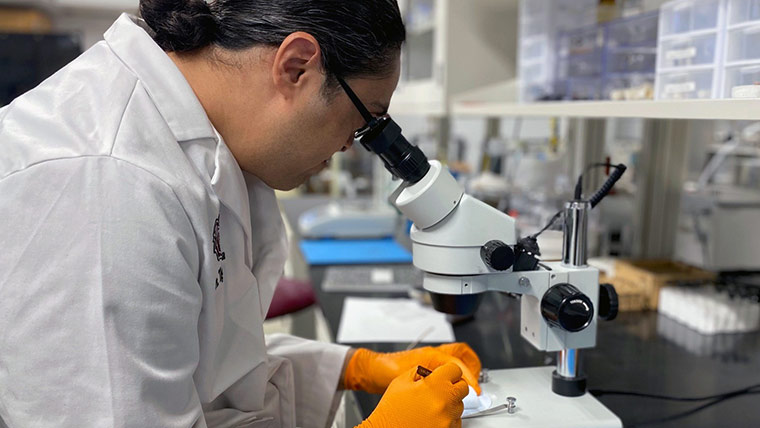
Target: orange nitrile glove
pixel 413 402
pixel 373 371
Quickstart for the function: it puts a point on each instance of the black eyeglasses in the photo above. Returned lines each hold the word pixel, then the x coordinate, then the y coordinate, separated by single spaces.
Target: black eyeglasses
pixel 372 121
pixel 382 136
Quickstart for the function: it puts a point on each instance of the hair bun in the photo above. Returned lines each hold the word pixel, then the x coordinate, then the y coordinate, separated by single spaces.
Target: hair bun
pixel 180 25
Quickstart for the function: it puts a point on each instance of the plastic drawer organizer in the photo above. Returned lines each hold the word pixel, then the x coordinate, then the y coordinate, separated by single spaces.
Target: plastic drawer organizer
pixel 690 48
pixel 540 22
pixel 581 63
pixel 616 60
pixel 631 57
pixel 741 77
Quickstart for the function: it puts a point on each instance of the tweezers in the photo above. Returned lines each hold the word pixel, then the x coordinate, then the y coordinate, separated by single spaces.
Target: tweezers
pixel 491 411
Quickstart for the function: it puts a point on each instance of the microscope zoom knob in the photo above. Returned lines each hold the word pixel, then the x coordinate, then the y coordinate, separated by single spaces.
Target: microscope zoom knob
pixel 609 302
pixel 497 255
pixel 566 307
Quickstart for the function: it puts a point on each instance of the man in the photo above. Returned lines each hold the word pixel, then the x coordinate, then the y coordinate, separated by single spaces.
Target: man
pixel 142 237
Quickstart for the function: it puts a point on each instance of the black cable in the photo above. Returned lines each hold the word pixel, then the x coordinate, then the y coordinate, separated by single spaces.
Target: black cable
pixel 578 194
pixel 531 240
pixel 600 392
pixel 691 411
pixel 550 224
pixel 608 185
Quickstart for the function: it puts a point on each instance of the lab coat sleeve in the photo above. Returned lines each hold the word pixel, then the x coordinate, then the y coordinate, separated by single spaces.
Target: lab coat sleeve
pixel 317 368
pixel 100 298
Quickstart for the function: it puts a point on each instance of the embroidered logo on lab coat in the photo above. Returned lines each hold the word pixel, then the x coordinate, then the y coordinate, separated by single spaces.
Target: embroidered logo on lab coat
pixel 218 253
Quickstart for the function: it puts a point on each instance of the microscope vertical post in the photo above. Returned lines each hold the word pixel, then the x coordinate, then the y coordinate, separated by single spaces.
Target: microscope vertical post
pixel 575 231
pixel 568 380
pixel 567 363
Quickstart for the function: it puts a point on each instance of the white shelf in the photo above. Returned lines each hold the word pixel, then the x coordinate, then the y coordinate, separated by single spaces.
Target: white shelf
pixel 95 5
pixel 743 25
pixel 688 34
pixel 729 109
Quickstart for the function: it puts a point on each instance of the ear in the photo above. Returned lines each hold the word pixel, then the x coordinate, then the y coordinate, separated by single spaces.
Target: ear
pixel 298 62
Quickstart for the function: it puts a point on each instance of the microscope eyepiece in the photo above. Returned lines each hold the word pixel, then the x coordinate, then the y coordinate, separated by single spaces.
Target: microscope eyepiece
pixel 404 160
pixel 382 136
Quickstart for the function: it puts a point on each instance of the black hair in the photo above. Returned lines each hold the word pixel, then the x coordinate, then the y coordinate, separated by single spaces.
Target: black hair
pixel 356 37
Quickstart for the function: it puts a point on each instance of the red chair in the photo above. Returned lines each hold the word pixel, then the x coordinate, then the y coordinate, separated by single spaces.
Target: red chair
pixel 290 296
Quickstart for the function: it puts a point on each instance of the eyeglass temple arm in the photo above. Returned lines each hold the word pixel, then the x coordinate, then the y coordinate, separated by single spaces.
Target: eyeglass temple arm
pixel 357 102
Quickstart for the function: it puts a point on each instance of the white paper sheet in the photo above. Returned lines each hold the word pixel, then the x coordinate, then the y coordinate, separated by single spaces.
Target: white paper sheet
pixel 366 320
pixel 474 403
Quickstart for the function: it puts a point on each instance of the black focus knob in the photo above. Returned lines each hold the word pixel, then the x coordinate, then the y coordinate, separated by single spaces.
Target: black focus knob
pixel 608 302
pixel 565 307
pixel 497 255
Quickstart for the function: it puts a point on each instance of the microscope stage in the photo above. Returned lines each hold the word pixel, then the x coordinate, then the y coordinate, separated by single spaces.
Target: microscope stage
pixel 537 406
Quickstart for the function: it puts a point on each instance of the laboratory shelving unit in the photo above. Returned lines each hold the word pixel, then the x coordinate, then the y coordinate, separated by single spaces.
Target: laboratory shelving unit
pixel 712 109
pixel 451 48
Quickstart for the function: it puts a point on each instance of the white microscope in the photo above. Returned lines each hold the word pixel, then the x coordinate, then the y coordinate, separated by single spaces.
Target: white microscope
pixel 465 248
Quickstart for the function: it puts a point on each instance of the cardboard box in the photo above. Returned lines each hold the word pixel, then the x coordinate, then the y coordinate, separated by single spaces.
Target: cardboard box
pixel 631 296
pixel 18 20
pixel 649 276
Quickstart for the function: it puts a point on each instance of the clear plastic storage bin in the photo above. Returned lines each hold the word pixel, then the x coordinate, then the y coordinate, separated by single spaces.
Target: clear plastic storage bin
pixel 583 66
pixel 534 48
pixel 689 51
pixel 583 89
pixel 631 57
pixel 630 87
pixel 744 75
pixel 686 16
pixel 641 61
pixel 532 27
pixel 694 84
pixel 534 73
pixel 540 22
pixel 740 11
pixel 581 55
pixel 743 44
pixel 637 31
pixel 585 41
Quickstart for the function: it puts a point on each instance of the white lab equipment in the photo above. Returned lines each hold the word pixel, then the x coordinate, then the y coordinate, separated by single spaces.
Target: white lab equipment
pixel 349 219
pixel 717 228
pixel 709 311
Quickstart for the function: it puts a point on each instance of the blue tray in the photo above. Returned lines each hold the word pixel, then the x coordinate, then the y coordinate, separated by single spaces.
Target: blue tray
pixel 350 252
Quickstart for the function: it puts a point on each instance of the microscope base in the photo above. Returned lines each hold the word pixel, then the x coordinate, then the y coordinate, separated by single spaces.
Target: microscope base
pixel 537 406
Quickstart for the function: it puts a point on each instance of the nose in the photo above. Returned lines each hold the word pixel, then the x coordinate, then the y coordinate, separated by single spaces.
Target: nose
pixel 348 145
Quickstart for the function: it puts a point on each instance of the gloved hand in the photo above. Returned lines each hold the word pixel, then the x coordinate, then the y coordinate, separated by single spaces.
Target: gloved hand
pixel 413 402
pixel 373 371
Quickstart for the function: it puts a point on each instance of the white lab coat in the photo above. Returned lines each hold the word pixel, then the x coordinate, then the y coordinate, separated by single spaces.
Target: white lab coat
pixel 117 309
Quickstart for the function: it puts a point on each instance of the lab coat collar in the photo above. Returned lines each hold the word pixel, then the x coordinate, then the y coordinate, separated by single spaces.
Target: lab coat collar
pixel 163 81
pixel 130 40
